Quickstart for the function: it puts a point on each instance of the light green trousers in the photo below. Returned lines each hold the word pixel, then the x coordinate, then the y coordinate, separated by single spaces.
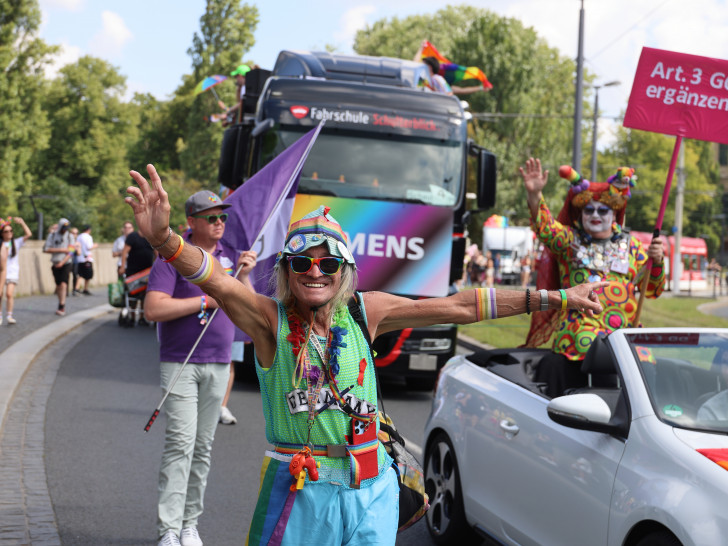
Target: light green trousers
pixel 193 410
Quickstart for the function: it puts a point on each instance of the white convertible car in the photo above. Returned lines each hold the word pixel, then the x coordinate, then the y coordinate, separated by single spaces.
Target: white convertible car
pixel 640 457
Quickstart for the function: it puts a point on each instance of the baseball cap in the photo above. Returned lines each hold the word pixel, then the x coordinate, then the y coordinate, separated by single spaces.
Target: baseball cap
pixel 241 70
pixel 203 200
pixel 63 222
pixel 316 228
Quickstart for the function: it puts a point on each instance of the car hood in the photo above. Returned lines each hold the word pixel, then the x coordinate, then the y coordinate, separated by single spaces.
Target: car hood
pixel 701 440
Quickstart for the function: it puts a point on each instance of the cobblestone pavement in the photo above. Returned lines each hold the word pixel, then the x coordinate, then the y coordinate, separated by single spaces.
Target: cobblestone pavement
pixel 26 511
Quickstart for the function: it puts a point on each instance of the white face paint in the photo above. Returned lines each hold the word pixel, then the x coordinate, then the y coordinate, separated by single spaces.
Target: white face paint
pixel 596 224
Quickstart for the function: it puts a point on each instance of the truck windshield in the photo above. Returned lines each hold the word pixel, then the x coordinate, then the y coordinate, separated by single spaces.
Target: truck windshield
pixel 376 166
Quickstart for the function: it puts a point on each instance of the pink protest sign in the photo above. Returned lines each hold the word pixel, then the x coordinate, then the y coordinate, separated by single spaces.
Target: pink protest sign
pixel 679 94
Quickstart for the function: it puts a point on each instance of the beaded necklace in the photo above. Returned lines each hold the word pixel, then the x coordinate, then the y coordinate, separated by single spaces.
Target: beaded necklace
pixel 603 256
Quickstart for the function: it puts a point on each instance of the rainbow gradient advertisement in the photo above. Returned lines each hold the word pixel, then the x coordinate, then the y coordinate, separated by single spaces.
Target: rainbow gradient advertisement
pixel 401 248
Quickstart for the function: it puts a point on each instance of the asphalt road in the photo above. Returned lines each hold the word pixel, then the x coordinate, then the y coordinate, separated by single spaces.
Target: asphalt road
pixel 102 467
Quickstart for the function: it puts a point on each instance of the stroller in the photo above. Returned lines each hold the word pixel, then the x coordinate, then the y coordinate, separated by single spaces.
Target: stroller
pixel 129 296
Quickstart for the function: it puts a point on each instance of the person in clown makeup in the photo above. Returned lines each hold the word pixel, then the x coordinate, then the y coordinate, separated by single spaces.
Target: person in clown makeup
pixel 586 243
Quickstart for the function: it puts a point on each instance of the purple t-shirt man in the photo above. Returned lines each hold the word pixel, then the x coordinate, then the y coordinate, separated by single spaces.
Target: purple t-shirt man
pixel 178 336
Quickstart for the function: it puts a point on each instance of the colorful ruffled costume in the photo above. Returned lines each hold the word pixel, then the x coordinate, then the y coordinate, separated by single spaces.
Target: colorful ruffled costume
pixel 571 257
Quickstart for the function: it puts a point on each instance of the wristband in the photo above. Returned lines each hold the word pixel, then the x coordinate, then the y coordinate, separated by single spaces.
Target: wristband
pixel 544 300
pixel 563 299
pixel 528 301
pixel 203 315
pixel 177 253
pixel 203 274
pixel 485 304
pixel 165 242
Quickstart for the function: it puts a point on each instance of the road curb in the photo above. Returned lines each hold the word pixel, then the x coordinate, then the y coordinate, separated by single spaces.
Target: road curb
pixel 17 358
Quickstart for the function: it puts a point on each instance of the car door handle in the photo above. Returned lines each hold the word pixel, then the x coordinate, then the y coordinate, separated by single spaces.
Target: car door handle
pixel 509 427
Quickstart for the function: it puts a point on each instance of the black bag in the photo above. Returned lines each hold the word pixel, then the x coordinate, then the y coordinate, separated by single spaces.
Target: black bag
pixel 413 501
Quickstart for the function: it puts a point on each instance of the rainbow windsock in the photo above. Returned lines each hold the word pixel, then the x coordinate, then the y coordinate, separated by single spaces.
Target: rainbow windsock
pixel 455 73
pixel 496 221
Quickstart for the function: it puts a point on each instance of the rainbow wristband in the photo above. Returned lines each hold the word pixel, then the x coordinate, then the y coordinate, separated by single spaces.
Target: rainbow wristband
pixel 177 252
pixel 203 274
pixel 485 304
pixel 563 299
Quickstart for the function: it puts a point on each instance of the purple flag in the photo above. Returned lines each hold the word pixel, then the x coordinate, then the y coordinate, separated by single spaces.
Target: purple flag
pixel 261 208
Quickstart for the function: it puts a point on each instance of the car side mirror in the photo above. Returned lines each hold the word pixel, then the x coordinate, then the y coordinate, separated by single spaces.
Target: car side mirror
pixel 583 411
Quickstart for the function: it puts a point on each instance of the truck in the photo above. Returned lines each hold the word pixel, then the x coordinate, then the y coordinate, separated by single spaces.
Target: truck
pixel 392 163
pixel 511 244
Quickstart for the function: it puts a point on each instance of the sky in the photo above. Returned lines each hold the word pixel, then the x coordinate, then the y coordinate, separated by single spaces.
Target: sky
pixel 148 40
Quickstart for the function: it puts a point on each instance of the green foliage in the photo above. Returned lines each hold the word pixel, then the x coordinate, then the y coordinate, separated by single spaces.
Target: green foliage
pixel 23 122
pixel 650 155
pixel 527 113
pixel 226 33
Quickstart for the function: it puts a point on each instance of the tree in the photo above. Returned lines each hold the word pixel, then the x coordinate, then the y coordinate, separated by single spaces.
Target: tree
pixel 226 33
pixel 527 113
pixel 650 155
pixel 91 130
pixel 23 123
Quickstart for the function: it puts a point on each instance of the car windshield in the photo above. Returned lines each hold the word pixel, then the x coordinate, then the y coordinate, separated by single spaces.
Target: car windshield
pixel 687 377
pixel 376 166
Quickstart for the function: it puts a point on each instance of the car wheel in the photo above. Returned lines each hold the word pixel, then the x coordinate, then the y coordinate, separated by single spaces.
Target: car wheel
pixel 446 516
pixel 660 538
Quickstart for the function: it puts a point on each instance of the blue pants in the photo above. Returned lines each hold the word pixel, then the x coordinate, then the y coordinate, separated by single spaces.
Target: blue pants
pixel 329 514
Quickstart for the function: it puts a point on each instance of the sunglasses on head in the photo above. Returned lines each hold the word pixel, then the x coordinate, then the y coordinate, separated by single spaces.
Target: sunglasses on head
pixel 602 210
pixel 212 218
pixel 303 264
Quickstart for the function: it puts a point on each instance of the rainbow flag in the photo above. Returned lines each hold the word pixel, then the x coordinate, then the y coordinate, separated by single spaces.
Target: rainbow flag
pixel 455 73
pixel 496 221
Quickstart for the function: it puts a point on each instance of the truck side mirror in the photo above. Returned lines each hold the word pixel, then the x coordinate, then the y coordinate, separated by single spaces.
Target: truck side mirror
pixel 233 156
pixel 486 176
pixel 486 179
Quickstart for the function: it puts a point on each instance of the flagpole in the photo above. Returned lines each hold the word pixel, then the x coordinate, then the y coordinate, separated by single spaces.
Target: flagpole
pixel 658 227
pixel 280 199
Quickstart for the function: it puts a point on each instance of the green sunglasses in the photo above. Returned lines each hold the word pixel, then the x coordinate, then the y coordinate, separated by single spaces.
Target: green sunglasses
pixel 212 218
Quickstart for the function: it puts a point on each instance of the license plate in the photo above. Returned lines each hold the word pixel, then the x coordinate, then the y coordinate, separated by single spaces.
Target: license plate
pixel 423 362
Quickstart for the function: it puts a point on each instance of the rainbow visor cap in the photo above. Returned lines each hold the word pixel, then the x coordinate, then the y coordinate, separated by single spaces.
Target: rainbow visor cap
pixel 316 228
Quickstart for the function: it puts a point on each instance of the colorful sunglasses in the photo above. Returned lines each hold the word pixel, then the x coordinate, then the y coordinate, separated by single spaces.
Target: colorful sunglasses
pixel 303 264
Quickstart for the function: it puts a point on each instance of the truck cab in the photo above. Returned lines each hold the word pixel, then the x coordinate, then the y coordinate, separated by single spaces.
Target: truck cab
pixel 390 161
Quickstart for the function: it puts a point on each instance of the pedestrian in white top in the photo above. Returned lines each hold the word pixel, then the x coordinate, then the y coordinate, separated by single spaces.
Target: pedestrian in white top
pixel 86 258
pixel 12 269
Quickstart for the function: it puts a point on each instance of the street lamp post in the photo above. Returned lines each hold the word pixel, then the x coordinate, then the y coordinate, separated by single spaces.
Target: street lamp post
pixel 576 160
pixel 596 120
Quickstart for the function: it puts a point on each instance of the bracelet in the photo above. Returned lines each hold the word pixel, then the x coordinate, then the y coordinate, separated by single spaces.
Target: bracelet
pixel 485 304
pixel 165 242
pixel 203 274
pixel 203 315
pixel 177 252
pixel 563 299
pixel 528 301
pixel 544 300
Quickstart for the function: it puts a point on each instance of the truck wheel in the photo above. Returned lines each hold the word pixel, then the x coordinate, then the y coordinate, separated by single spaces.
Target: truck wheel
pixel 446 517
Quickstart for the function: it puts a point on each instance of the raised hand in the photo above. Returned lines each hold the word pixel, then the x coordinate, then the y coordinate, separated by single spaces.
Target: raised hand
pixel 533 179
pixel 150 204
